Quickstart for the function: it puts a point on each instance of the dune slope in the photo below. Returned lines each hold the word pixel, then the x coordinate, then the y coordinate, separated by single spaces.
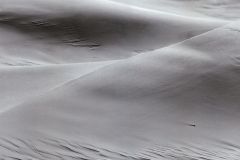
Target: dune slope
pixel 90 32
pixel 172 102
pixel 118 80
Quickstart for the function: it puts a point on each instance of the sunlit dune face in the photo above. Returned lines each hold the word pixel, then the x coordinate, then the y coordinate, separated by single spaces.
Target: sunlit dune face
pixel 219 9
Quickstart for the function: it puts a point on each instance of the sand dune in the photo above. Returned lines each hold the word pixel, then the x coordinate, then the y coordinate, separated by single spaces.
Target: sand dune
pixel 50 76
pixel 207 9
pixel 124 80
pixel 92 32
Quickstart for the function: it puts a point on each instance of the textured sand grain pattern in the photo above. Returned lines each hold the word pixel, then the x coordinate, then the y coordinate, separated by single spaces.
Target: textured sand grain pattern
pixel 119 80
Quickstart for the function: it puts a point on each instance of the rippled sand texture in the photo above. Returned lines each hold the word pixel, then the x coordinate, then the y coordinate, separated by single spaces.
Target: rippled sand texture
pixel 120 79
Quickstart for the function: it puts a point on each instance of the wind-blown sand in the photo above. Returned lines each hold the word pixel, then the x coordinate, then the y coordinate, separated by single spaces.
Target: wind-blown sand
pixel 124 80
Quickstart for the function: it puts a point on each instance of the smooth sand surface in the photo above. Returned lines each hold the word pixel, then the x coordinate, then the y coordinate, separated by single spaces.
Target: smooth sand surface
pixel 119 80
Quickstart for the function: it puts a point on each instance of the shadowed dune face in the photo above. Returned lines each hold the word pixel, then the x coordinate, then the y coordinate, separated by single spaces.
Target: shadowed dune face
pixel 124 80
pixel 97 33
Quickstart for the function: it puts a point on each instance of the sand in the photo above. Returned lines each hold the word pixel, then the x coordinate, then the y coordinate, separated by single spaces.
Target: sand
pixel 119 80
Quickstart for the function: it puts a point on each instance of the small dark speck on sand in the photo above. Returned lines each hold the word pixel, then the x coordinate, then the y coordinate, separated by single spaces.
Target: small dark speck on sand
pixel 192 125
pixel 189 124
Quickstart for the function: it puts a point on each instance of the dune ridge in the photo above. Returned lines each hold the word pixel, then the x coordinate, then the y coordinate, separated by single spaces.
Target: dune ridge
pixel 96 34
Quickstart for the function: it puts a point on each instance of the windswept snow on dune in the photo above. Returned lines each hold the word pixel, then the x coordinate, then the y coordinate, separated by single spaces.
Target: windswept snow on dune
pixel 115 79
